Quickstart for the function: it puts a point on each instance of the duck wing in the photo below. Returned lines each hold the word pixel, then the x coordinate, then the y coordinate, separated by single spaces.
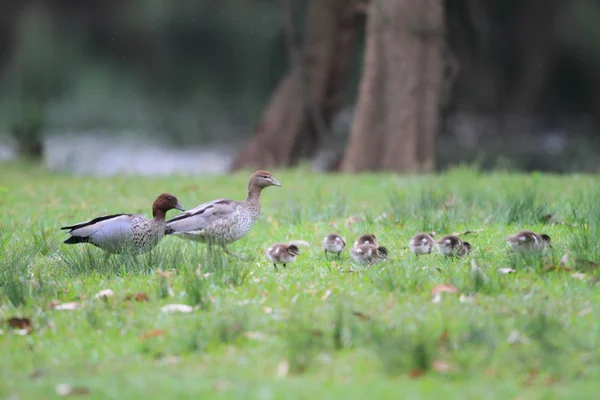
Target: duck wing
pixel 202 216
pixel 107 227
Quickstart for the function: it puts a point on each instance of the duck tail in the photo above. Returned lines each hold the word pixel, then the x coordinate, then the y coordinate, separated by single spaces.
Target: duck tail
pixel 77 239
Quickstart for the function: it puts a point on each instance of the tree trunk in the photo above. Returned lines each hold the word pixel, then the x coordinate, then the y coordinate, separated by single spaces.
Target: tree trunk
pixel 307 97
pixel 397 114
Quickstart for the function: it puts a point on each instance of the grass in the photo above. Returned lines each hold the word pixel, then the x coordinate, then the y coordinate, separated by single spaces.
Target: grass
pixel 325 329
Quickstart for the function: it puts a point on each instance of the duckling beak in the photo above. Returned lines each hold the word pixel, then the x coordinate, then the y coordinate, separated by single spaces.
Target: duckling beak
pixel 179 207
pixel 274 182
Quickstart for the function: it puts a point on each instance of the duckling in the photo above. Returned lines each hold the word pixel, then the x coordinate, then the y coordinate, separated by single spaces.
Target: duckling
pixel 369 254
pixel 529 242
pixel 368 238
pixel 451 245
pixel 223 221
pixel 282 253
pixel 117 233
pixel 333 243
pixel 421 243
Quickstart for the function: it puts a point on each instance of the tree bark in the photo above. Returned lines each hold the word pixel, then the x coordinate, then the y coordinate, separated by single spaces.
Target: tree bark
pixel 309 95
pixel 397 113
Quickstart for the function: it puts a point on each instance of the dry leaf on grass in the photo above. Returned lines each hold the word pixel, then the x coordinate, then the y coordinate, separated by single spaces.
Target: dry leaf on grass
pixel 441 366
pixel 139 296
pixel 442 288
pixel 22 324
pixel 584 312
pixel 579 275
pixel 68 306
pixel 173 308
pixel 467 298
pixel 564 260
pixel 362 316
pixel 507 271
pixel 65 389
pixel 354 219
pixel 151 333
pixel 255 335
pixel 282 369
pixel 416 373
pixel 326 295
pixel 104 294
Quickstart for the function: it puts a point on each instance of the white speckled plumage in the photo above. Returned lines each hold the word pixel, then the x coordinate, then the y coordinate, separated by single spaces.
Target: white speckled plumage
pixel 453 246
pixel 117 233
pixel 333 243
pixel 368 254
pixel 421 243
pixel 282 253
pixel 529 242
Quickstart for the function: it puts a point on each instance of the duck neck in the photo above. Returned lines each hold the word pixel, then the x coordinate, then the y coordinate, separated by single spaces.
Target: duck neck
pixel 253 197
pixel 158 214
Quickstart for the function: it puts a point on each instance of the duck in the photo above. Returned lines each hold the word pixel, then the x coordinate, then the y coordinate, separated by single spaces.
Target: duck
pixel 421 243
pixel 282 253
pixel 333 243
pixel 453 246
pixel 369 254
pixel 223 221
pixel 368 238
pixel 118 233
pixel 529 242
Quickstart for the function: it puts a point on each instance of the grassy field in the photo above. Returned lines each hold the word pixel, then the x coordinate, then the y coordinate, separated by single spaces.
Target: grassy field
pixel 318 329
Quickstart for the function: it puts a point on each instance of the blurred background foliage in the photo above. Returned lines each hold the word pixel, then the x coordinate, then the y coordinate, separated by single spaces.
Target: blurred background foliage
pixel 197 72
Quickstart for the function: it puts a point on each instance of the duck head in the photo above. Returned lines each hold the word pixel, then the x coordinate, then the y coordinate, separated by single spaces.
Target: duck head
pixel 164 203
pixel 262 179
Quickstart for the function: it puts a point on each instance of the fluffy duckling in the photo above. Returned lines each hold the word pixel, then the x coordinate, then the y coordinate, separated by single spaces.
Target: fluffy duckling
pixel 421 243
pixel 333 243
pixel 529 242
pixel 451 245
pixel 223 221
pixel 369 254
pixel 117 233
pixel 282 253
pixel 368 238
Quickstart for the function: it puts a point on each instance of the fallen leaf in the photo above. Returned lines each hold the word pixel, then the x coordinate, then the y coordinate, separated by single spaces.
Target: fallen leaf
pixel 151 333
pixel 354 219
pixel 199 270
pixel 68 306
pixel 282 369
pixel 515 337
pixel 268 310
pixel 507 271
pixel 564 260
pixel 416 373
pixel 104 294
pixel 139 296
pixel 317 332
pixel 23 324
pixel 65 389
pixel 579 275
pixel 255 335
pixel 444 288
pixel 362 316
pixel 584 312
pixel 326 295
pixel 440 366
pixel 182 308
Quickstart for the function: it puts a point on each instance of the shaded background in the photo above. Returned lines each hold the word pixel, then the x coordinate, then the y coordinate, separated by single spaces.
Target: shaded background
pixel 110 86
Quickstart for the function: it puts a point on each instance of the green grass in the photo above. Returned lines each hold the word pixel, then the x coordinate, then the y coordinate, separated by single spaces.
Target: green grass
pixel 317 329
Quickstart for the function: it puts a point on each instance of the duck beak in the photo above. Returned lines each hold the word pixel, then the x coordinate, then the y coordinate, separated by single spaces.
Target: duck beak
pixel 274 182
pixel 179 207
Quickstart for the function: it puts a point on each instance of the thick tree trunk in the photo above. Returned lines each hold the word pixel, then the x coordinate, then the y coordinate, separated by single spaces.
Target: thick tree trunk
pixel 308 96
pixel 397 114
